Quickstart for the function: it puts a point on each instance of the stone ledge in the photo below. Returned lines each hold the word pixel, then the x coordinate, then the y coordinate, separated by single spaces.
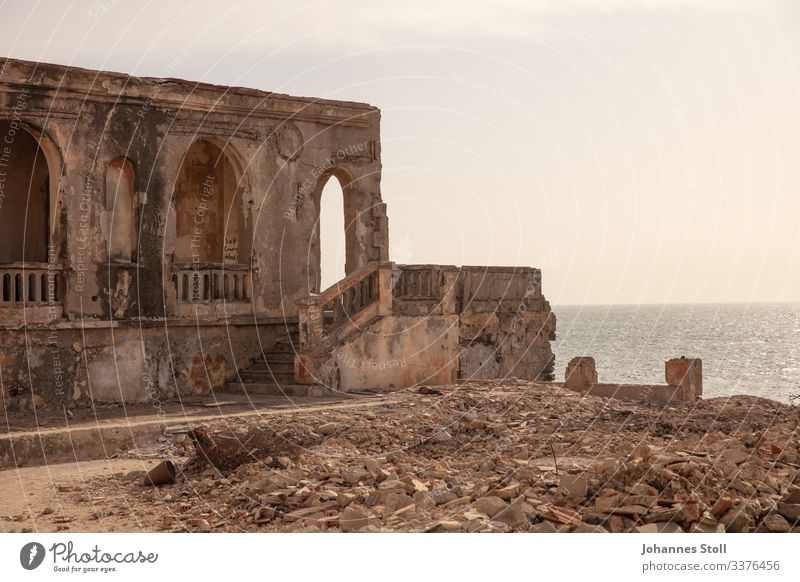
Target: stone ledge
pixel 241 320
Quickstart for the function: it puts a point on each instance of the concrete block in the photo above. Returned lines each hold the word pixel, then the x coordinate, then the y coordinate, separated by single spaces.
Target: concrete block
pixel 686 373
pixel 581 373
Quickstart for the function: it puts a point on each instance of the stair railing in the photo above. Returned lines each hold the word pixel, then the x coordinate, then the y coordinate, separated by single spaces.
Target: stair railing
pixel 347 304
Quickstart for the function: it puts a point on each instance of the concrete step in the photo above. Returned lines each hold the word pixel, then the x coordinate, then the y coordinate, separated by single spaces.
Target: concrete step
pixel 283 363
pixel 284 349
pixel 278 357
pixel 270 365
pixel 265 376
pixel 273 389
pixel 282 376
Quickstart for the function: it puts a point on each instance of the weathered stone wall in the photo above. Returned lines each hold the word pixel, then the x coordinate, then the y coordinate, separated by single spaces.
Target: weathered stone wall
pixel 397 352
pixel 281 149
pixel 433 324
pixel 505 324
pixel 581 372
pixel 171 203
pixel 687 374
pixel 73 365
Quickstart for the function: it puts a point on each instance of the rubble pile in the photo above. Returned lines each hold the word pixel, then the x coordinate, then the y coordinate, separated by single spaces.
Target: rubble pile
pixel 493 457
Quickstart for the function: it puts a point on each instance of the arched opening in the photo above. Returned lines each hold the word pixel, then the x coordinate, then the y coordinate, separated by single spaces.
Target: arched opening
pixel 121 205
pixel 24 196
pixel 331 234
pixel 210 219
pixel 334 239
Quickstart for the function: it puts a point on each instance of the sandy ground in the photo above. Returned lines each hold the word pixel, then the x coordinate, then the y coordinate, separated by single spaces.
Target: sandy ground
pixel 60 498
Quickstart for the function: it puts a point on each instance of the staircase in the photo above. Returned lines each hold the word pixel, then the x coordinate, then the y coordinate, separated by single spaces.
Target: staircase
pixel 354 337
pixel 327 322
pixel 273 374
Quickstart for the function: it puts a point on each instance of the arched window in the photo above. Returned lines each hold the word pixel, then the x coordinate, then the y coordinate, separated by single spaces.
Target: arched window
pixel 210 219
pixel 24 196
pixel 331 233
pixel 121 206
pixel 333 240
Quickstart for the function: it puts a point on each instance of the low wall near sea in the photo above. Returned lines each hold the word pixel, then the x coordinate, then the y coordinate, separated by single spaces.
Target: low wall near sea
pixel 683 382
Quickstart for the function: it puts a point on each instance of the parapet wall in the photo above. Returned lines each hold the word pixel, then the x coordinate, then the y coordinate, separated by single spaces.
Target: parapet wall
pixel 505 324
pixel 431 324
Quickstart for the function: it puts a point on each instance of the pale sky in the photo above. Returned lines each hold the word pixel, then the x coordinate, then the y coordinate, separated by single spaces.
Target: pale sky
pixel 638 151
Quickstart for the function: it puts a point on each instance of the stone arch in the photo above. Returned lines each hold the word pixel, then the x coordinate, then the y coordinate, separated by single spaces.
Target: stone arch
pixel 30 167
pixel 121 203
pixel 212 222
pixel 350 206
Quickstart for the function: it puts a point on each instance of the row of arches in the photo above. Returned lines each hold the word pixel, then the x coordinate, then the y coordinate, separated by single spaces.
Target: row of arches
pixel 213 225
pixel 210 221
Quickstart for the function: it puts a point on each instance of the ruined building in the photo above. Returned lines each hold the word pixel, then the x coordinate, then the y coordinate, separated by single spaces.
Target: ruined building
pixel 158 238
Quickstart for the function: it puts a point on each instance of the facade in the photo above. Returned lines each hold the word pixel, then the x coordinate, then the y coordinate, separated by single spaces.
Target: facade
pixel 158 237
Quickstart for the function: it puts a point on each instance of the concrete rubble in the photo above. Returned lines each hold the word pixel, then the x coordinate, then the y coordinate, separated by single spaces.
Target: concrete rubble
pixel 492 456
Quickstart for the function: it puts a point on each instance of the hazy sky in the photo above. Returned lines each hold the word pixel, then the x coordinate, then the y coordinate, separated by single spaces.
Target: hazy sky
pixel 638 151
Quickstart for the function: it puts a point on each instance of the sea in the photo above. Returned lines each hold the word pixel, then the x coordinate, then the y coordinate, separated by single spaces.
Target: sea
pixel 746 348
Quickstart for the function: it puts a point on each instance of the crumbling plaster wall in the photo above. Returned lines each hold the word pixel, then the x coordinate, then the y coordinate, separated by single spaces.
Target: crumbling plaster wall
pixel 281 147
pixel 397 352
pixel 505 324
pixel 505 345
pixel 441 323
pixel 72 367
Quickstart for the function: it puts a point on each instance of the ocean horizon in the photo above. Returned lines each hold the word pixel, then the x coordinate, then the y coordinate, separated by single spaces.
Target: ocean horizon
pixel 746 348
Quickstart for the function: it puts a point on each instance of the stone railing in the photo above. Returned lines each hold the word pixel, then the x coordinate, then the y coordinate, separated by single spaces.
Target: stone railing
pixel 349 297
pixel 344 301
pixel 31 284
pixel 208 283
pixel 327 316
pixel 503 289
pixel 446 289
pixel 418 282
pixel 424 289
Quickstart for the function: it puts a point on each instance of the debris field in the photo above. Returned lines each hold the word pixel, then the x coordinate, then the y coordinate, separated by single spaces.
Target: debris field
pixel 488 456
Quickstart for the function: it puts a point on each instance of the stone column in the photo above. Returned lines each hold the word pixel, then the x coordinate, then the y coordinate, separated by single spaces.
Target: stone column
pixel 309 315
pixel 687 374
pixel 385 288
pixel 448 291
